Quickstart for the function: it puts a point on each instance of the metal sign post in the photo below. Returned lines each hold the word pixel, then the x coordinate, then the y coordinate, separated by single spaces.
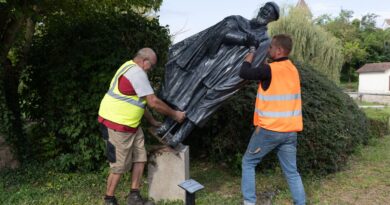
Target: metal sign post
pixel 190 186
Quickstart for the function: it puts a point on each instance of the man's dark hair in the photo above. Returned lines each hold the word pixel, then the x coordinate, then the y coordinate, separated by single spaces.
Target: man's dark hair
pixel 284 41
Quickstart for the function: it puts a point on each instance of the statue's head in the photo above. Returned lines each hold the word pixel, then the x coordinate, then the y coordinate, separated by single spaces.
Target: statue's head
pixel 268 13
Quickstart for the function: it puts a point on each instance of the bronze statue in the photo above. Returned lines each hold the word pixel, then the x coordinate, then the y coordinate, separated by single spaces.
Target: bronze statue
pixel 203 70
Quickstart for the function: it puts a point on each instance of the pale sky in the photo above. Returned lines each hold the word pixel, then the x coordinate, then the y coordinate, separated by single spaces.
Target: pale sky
pixel 187 17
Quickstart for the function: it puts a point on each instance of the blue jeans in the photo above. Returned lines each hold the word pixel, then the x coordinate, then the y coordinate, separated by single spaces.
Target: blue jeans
pixel 261 144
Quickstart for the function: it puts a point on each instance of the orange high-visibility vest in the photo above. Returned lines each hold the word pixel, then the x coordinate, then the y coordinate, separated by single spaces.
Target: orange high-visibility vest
pixel 279 108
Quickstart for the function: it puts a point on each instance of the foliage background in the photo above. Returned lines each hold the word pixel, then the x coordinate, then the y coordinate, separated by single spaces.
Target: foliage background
pixel 312 44
pixel 74 54
pixel 70 67
pixel 361 41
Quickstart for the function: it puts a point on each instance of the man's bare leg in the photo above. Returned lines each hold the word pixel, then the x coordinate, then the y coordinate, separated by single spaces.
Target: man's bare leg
pixel 112 183
pixel 136 174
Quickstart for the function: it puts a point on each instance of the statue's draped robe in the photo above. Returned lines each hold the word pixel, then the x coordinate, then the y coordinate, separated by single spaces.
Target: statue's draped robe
pixel 202 71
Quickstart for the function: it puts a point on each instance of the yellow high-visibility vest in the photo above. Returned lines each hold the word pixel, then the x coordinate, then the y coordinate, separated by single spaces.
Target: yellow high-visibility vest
pixel 119 108
pixel 279 108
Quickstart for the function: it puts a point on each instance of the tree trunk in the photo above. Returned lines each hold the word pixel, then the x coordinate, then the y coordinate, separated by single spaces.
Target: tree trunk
pixel 11 82
pixel 9 36
pixel 4 18
pixel 28 37
pixel 10 29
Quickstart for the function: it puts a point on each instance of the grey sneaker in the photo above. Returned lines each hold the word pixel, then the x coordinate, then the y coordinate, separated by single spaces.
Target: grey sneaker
pixel 110 201
pixel 136 199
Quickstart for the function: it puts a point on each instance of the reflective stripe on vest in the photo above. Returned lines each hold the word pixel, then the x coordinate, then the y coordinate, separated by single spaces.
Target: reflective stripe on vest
pixel 278 97
pixel 128 100
pixel 279 114
pixel 279 107
pixel 122 98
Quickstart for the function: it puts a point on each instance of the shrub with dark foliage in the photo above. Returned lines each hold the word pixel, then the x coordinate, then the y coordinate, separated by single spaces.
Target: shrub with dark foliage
pixel 334 126
pixel 72 64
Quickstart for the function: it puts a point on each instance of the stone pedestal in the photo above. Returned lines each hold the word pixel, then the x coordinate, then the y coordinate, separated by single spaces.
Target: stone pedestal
pixel 166 169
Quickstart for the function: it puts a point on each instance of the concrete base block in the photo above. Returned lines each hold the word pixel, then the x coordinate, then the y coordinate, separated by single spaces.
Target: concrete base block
pixel 166 169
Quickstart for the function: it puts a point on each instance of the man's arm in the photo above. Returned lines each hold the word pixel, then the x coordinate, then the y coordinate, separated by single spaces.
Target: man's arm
pixel 261 73
pixel 155 103
pixel 149 117
pixel 140 82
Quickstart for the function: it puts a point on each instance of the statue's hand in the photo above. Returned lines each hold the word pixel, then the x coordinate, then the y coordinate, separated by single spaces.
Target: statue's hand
pixel 252 41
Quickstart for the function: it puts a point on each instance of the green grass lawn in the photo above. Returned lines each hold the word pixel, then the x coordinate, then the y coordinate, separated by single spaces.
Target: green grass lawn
pixel 365 181
pixel 377 112
pixel 367 103
pixel 352 86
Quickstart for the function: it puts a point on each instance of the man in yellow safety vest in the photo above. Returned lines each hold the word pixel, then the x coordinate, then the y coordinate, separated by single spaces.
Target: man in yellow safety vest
pixel 120 114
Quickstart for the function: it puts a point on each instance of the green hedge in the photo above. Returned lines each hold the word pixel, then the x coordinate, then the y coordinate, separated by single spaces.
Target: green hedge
pixel 69 71
pixel 379 121
pixel 334 125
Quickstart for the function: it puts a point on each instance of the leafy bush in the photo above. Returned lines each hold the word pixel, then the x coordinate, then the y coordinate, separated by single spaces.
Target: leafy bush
pixel 379 121
pixel 379 127
pixel 70 69
pixel 333 127
pixel 312 44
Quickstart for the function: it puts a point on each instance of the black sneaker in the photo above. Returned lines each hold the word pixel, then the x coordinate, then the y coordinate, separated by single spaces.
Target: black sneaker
pixel 110 201
pixel 134 198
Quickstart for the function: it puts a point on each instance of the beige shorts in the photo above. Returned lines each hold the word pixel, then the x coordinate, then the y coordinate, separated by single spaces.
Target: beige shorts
pixel 123 149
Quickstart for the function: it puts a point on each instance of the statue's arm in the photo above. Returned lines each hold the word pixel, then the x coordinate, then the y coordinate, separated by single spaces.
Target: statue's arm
pixel 235 38
pixel 242 39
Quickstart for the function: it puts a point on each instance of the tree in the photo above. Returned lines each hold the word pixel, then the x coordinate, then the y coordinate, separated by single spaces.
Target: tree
pixel 368 21
pixel 16 20
pixel 323 19
pixel 312 44
pixel 341 26
pixel 362 42
pixel 386 43
pixel 19 20
pixel 353 55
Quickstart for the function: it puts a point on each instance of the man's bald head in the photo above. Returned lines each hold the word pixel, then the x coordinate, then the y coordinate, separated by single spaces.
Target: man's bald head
pixel 148 55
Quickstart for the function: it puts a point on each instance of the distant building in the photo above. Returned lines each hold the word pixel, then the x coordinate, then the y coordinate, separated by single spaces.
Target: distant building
pixel 386 24
pixel 302 4
pixel 374 78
